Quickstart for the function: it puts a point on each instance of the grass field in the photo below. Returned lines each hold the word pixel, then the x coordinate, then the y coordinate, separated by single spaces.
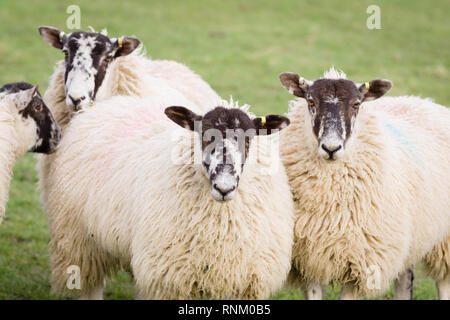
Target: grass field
pixel 239 47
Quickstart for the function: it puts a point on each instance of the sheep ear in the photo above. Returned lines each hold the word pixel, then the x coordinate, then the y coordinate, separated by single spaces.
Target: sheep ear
pixel 270 124
pixel 24 97
pixel 183 117
pixel 374 89
pixel 53 36
pixel 126 45
pixel 295 84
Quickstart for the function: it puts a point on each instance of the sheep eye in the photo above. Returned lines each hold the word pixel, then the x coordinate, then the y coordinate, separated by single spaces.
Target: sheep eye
pixel 356 105
pixel 37 108
pixel 311 102
pixel 65 52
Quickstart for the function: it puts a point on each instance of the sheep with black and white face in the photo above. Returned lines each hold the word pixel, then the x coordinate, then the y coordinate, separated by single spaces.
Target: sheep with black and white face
pixel 26 124
pixel 370 182
pixel 149 198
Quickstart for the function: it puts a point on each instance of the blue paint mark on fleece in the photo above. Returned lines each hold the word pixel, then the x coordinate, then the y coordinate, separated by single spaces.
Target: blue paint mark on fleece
pixel 398 134
pixel 402 139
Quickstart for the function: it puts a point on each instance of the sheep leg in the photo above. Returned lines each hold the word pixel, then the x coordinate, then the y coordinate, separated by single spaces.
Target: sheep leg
pixel 348 292
pixel 403 285
pixel 437 264
pixel 94 294
pixel 79 267
pixel 443 288
pixel 313 291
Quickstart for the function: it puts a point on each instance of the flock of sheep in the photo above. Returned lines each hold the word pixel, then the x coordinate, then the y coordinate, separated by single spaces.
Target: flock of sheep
pixel 145 168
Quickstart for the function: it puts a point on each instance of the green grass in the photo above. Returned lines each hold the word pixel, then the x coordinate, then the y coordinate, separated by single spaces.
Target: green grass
pixel 239 47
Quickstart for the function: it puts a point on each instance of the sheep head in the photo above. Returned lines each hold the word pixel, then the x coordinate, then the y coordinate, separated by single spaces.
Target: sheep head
pixel 333 103
pixel 226 134
pixel 40 131
pixel 87 57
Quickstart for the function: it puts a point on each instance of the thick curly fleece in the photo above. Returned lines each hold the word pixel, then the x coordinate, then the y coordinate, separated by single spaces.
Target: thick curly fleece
pixel 383 206
pixel 117 199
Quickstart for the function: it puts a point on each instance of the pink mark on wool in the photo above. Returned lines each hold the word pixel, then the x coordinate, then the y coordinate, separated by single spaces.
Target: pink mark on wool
pixel 133 127
pixel 139 122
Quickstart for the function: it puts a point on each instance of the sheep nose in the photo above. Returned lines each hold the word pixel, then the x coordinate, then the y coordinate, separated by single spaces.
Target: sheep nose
pixel 76 101
pixel 331 149
pixel 223 190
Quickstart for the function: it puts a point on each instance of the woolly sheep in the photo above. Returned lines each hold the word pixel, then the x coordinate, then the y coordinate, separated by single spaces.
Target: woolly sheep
pixel 124 71
pixel 97 67
pixel 369 181
pixel 26 124
pixel 126 192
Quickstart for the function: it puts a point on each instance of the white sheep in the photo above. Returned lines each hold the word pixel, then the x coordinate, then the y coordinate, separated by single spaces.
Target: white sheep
pixel 97 67
pixel 369 179
pixel 26 124
pixel 105 67
pixel 125 192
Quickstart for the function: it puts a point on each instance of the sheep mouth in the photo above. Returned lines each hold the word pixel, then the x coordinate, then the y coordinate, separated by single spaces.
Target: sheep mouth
pixel 53 146
pixel 80 106
pixel 223 198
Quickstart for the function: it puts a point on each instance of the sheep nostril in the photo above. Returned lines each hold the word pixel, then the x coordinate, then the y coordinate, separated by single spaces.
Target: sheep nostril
pixel 77 101
pixel 331 150
pixel 223 190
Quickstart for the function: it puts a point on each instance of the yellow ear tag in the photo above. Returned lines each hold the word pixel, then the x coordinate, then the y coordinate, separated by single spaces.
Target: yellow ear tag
pixel 301 81
pixel 367 85
pixel 120 41
pixel 263 120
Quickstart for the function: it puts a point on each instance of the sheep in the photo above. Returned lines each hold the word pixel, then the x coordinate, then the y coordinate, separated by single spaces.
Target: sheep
pixel 104 67
pixel 26 124
pixel 97 67
pixel 126 192
pixel 368 179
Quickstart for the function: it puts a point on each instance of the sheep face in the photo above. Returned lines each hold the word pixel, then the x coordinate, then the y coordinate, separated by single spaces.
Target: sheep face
pixel 36 125
pixel 333 106
pixel 226 136
pixel 87 57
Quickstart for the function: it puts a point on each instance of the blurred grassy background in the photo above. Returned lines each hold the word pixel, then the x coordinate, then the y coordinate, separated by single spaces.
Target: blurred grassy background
pixel 239 47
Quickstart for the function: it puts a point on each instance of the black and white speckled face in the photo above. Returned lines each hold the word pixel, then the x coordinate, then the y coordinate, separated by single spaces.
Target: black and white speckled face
pixel 333 105
pixel 30 105
pixel 87 57
pixel 226 137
